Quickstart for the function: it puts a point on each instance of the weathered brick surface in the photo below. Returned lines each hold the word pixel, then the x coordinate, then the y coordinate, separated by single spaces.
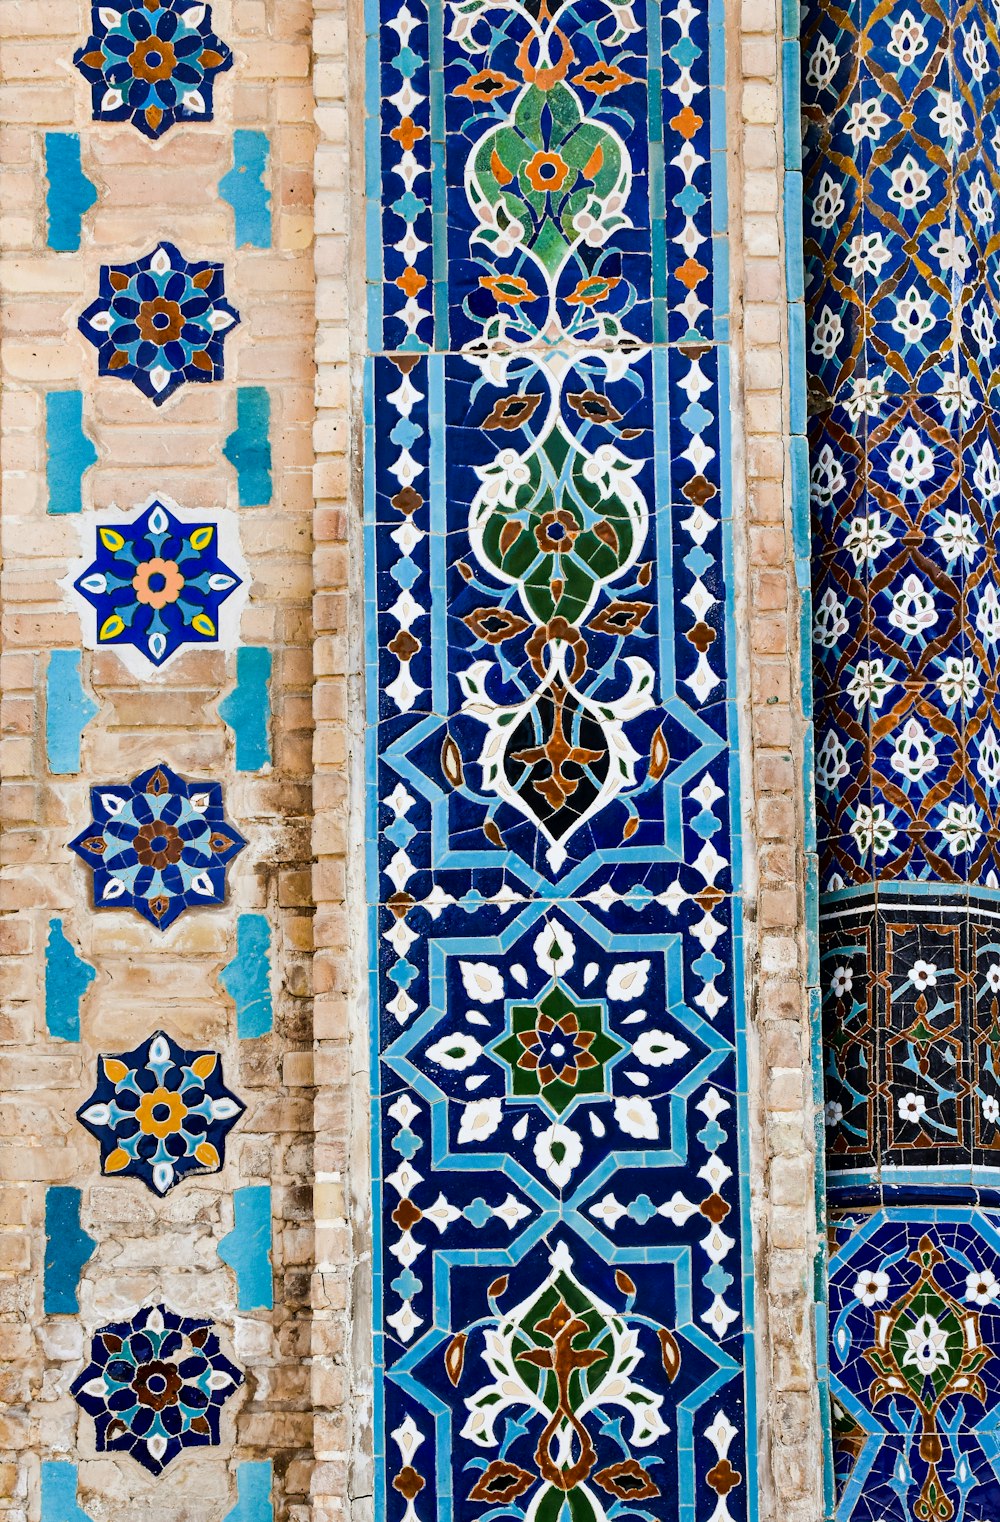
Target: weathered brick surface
pixel 341 1384
pixel 150 1248
pixel 775 794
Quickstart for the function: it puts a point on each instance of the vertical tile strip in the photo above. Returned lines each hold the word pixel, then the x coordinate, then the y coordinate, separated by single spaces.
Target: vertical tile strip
pixel 791 96
pixel 901 179
pixel 559 1065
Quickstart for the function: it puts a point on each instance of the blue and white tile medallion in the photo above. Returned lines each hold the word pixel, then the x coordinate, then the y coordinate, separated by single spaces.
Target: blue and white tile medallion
pixel 160 1113
pixel 158 583
pixel 155 1385
pixel 558 1073
pixel 158 844
pixel 152 62
pixel 161 321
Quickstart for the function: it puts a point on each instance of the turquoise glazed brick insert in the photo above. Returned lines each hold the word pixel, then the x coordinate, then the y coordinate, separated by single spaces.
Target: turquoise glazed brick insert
pixel 563 1301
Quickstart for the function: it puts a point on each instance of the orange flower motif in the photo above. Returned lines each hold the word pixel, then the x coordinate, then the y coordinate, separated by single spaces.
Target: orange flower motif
pixel 161 1113
pixel 544 75
pixel 512 289
pixel 488 84
pixel 602 78
pixel 686 122
pixel 690 273
pixel 408 133
pixel 153 59
pixel 556 531
pixel 546 171
pixel 411 282
pixel 157 582
pixel 594 289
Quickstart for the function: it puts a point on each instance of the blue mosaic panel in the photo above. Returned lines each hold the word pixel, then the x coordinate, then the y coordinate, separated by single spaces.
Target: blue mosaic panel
pixel 902 172
pixel 558 1079
pixel 901 182
pixel 915 1325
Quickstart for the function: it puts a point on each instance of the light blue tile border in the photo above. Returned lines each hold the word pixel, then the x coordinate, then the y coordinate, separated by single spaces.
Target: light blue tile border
pixel 70 193
pixel 67 978
pixel 67 1249
pixel 248 447
pixel 254 1482
pixel 58 1492
pixel 243 188
pixel 69 451
pixel 247 709
pixel 247 1248
pixel 247 978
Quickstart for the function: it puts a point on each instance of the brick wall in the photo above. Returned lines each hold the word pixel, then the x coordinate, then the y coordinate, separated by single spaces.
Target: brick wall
pixel 780 898
pixel 302 338
pixel 150 1248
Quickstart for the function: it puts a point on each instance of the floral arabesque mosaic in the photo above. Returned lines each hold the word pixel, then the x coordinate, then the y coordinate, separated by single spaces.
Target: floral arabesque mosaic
pixel 160 582
pixel 558 1081
pixel 152 62
pixel 160 1113
pixel 914 1306
pixel 542 1355
pixel 901 187
pixel 155 1385
pixel 161 321
pixel 158 844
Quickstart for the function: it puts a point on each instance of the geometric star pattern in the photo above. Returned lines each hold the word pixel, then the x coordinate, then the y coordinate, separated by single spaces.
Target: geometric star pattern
pixel 155 1385
pixel 160 1113
pixel 156 584
pixel 158 844
pixel 152 63
pixel 161 321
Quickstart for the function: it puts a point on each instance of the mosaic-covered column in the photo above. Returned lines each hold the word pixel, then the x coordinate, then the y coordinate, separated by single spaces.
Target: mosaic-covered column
pixel 558 1066
pixel 901 199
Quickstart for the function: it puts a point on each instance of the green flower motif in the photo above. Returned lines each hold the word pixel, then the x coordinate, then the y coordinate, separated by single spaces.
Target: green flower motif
pixel 557 1049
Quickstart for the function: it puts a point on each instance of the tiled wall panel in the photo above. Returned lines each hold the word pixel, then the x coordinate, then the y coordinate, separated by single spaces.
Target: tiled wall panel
pixel 901 187
pixel 559 1069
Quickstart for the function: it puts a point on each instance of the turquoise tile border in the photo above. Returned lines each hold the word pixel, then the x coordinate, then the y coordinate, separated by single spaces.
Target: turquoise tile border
pixel 69 708
pixel 67 1248
pixel 67 978
pixel 69 451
